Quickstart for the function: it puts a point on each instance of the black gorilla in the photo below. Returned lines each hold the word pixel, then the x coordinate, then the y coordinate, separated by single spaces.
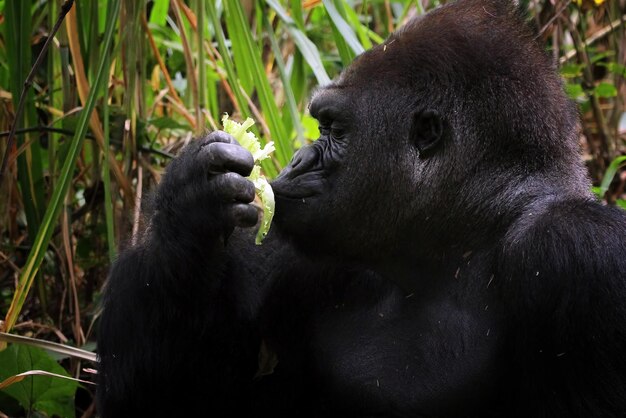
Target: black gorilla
pixel 437 252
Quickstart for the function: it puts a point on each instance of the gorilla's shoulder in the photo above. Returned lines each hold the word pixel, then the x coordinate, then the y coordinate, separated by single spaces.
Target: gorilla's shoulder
pixel 576 244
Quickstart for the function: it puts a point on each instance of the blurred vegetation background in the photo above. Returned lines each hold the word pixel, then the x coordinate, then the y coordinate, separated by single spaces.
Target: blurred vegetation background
pixel 124 84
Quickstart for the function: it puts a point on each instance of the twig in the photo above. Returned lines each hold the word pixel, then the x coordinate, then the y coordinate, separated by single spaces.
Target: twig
pixel 78 332
pixel 65 8
pixel 593 38
pixel 137 214
pixel 71 133
pixel 553 18
pixel 166 74
pixel 9 262
pixel 43 129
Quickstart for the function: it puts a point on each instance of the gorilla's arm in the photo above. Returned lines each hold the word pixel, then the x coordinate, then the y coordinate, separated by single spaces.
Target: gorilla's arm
pixel 565 274
pixel 178 326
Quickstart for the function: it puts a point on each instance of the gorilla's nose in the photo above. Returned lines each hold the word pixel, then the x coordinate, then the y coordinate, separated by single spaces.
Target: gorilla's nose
pixel 303 160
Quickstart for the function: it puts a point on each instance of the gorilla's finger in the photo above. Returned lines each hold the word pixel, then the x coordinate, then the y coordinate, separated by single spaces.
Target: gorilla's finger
pixel 243 215
pixel 218 136
pixel 233 187
pixel 220 157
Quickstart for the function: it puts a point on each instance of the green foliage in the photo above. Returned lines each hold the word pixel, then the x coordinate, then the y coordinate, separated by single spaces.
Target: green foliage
pixel 615 165
pixel 47 394
pixel 605 90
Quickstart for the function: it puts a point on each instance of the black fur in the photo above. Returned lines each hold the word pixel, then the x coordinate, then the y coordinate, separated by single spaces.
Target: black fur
pixel 436 252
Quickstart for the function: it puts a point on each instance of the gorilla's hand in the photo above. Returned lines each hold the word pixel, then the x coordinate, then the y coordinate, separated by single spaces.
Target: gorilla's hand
pixel 204 192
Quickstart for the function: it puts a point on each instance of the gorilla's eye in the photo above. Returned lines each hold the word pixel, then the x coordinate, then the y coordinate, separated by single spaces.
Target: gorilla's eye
pixel 324 129
pixel 332 130
pixel 337 132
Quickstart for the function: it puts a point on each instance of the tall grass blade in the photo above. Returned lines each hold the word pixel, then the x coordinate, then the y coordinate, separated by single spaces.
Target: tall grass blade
pixel 44 234
pixel 610 174
pixel 109 204
pixel 17 35
pixel 308 49
pixel 289 97
pixel 202 91
pixel 344 35
pixel 237 23
pixel 229 66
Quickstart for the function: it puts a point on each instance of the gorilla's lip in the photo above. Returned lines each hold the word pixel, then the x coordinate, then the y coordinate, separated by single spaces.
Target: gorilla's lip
pixel 297 188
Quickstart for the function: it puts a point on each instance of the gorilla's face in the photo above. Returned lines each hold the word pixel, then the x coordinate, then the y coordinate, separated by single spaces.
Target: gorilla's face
pixel 354 191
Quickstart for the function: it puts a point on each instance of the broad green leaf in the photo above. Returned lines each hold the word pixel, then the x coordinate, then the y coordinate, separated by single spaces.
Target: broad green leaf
pixel 605 90
pixel 616 68
pixel 574 91
pixel 572 70
pixel 48 394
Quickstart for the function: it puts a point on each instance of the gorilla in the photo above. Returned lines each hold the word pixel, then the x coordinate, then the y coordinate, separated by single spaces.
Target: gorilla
pixel 435 253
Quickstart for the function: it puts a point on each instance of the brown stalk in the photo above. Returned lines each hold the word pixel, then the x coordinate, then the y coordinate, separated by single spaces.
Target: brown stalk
pixel 191 73
pixel 137 214
pixel 83 91
pixel 212 53
pixel 389 16
pixel 67 246
pixel 157 55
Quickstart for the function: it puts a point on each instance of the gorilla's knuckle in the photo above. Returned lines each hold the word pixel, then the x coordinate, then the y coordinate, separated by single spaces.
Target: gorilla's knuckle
pixel 217 136
pixel 232 186
pixel 244 215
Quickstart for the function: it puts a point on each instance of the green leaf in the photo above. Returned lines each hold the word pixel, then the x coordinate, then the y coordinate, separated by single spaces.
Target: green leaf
pixel 597 191
pixel 621 203
pixel 600 56
pixel 159 11
pixel 605 90
pixel 610 173
pixel 574 91
pixel 572 70
pixel 48 394
pixel 616 68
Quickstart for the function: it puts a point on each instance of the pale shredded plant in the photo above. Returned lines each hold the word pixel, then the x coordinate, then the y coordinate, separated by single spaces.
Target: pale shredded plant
pixel 264 191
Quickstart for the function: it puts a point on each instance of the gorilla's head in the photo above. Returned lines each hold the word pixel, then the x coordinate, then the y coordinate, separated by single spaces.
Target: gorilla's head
pixel 438 137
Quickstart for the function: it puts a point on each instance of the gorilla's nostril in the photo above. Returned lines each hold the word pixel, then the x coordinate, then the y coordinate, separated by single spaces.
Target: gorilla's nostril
pixel 297 159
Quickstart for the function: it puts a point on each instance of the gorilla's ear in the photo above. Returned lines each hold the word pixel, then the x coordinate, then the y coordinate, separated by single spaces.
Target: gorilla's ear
pixel 426 129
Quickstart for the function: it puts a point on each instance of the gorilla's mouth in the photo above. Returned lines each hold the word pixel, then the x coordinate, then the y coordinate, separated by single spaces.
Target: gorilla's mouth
pixel 303 186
